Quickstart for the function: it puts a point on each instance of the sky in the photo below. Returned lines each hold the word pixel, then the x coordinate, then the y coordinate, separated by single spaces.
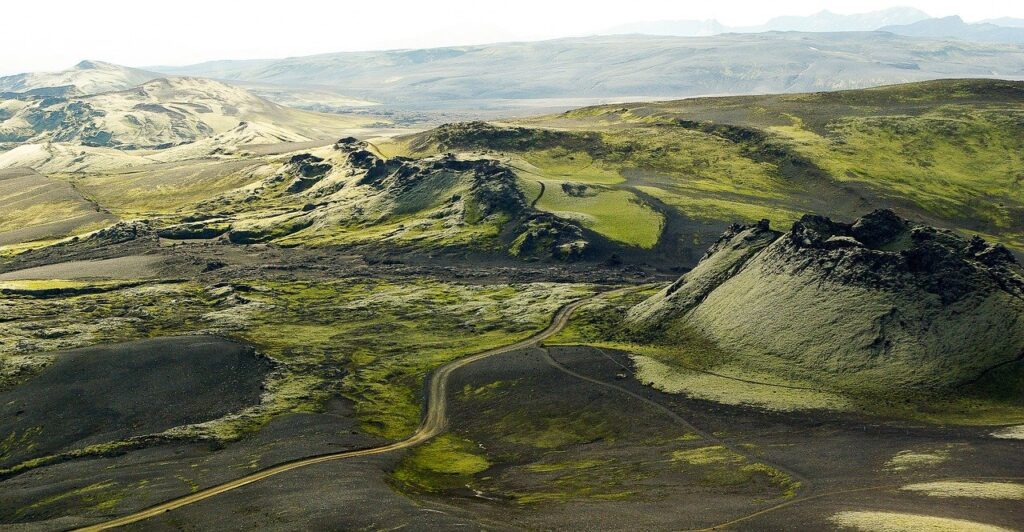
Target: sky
pixel 56 34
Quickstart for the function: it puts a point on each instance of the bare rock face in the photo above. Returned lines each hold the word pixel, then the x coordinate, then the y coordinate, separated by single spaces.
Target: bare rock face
pixel 883 251
pixel 875 304
pixel 306 170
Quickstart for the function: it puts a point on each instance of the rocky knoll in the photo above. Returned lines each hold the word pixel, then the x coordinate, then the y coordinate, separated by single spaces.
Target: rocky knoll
pixel 878 305
pixel 349 194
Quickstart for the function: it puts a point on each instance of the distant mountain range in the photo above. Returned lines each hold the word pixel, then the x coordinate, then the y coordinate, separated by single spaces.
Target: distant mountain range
pixel 956 28
pixel 899 20
pixel 624 67
pixel 467 82
pixel 1009 22
pixel 824 21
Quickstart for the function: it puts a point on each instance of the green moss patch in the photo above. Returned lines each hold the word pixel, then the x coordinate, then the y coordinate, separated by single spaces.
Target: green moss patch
pixel 444 463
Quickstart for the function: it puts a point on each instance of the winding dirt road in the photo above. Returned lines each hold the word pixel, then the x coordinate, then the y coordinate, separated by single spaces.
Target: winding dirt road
pixel 433 424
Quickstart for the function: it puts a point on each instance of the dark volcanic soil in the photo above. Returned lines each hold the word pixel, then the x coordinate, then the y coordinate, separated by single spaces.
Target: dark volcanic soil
pixel 628 434
pixel 841 461
pixel 106 393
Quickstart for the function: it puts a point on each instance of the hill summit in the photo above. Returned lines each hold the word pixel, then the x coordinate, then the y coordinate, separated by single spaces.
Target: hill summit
pixel 87 77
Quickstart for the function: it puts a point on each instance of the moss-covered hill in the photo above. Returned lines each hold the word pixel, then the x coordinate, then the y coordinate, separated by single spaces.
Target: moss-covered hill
pixel 671 176
pixel 881 307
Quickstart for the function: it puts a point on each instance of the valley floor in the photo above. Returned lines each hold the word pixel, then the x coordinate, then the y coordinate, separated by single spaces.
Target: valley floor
pixel 546 436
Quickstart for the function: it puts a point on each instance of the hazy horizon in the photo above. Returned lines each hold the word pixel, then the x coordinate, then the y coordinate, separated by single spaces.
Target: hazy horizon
pixel 133 35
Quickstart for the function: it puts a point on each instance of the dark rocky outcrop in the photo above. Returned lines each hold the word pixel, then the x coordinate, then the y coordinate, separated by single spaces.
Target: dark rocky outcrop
pixel 306 170
pixel 123 232
pixel 194 230
pixel 467 191
pixel 463 136
pixel 882 250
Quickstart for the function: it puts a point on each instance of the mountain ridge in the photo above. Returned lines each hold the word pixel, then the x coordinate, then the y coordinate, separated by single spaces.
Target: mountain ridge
pixel 623 67
pixel 908 307
pixel 955 27
pixel 822 21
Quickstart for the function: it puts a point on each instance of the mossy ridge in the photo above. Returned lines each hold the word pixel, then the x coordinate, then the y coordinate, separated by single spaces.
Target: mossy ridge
pixel 687 361
pixel 168 190
pixel 950 153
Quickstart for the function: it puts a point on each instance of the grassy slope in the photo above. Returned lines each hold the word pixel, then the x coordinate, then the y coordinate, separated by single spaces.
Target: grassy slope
pixel 35 207
pixel 686 361
pixel 951 151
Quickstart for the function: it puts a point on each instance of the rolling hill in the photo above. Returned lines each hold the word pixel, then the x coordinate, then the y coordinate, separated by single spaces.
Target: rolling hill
pixel 652 183
pixel 36 207
pixel 945 152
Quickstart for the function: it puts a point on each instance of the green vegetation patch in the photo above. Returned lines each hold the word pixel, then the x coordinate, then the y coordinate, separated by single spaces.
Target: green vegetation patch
pixel 872 521
pixel 387 336
pixel 616 214
pixel 561 164
pixel 95 499
pixel 913 459
pixel 717 465
pixel 554 431
pixel 486 391
pixel 593 479
pixel 974 490
pixel 444 463
pixel 369 339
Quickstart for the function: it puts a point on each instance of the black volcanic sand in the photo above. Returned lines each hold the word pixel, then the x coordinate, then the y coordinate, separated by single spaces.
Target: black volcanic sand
pixel 829 453
pixel 107 393
pixel 633 438
pixel 87 490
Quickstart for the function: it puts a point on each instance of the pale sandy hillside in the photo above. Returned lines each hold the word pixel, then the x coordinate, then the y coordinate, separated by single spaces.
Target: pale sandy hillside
pixel 87 77
pixel 162 113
